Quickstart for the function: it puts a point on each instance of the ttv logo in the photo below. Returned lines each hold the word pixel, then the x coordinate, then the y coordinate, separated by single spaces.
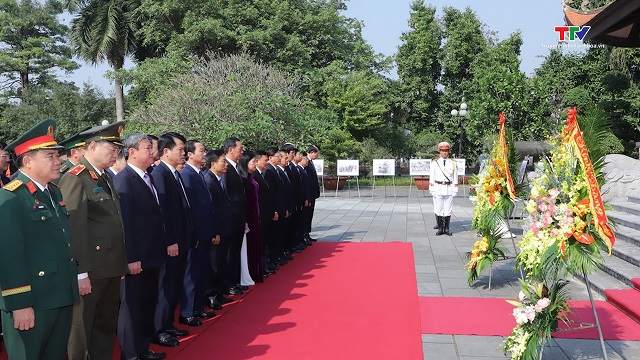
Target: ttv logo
pixel 573 31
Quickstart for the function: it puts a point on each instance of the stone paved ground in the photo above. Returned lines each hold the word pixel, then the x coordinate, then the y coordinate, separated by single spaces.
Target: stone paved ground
pixel 406 214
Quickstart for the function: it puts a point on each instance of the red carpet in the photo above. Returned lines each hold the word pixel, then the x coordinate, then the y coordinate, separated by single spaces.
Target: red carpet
pixel 627 300
pixel 333 301
pixel 492 317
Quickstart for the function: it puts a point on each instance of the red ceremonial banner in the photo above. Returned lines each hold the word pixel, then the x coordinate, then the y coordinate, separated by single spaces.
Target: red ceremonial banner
pixel 573 136
pixel 503 143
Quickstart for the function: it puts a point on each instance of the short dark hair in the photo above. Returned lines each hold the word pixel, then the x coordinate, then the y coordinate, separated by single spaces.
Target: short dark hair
pixel 167 141
pixel 313 148
pixel 190 147
pixel 288 147
pixel 152 137
pixel 2 145
pixel 271 150
pixel 213 156
pixel 303 153
pixel 229 143
pixel 260 153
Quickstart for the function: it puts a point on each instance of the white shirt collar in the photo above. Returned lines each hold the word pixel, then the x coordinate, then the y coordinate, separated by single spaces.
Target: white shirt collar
pixel 194 168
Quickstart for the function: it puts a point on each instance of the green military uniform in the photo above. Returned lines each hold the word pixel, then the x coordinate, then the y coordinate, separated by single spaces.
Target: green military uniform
pixel 37 264
pixel 97 236
pixel 72 142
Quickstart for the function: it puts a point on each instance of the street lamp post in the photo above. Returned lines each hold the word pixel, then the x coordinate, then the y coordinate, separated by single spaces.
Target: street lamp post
pixel 462 113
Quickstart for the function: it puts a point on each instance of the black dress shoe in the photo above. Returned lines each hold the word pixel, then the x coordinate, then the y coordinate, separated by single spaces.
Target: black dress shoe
pixel 307 242
pixel 280 261
pixel 273 267
pixel 242 287
pixel 204 314
pixel 150 355
pixel 287 257
pixel 190 321
pixel 287 253
pixel 164 339
pixel 233 291
pixel 224 300
pixel 213 304
pixel 177 332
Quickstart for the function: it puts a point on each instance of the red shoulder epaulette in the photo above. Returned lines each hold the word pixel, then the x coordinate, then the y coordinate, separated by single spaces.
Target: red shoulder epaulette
pixel 77 169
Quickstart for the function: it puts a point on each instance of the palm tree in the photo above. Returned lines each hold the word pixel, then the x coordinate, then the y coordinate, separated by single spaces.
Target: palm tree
pixel 105 30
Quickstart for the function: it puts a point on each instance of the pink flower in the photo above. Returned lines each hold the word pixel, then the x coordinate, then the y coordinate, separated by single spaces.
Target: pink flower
pixel 552 208
pixel 543 303
pixel 569 212
pixel 554 193
pixel 547 220
pixel 554 232
pixel 542 207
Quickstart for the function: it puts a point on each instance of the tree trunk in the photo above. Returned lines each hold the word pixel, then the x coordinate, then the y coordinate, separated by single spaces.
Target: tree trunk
pixel 119 100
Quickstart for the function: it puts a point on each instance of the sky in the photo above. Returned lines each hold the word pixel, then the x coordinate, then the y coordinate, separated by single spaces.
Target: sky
pixel 386 20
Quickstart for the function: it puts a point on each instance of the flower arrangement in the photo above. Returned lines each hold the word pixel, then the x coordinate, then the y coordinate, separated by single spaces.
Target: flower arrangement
pixel 563 232
pixel 537 314
pixel 567 230
pixel 493 193
pixel 484 253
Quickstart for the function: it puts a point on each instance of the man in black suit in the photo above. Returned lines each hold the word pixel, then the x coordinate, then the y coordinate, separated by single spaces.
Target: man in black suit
pixel 234 187
pixel 277 230
pixel 178 227
pixel 144 244
pixel 302 161
pixel 216 165
pixel 312 154
pixel 268 212
pixel 192 300
pixel 294 240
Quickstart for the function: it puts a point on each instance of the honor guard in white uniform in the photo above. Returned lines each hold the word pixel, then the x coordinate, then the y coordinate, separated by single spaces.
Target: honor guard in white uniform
pixel 443 185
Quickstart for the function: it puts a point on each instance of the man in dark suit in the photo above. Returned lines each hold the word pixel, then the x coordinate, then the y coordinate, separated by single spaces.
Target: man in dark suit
pixel 302 161
pixel 178 227
pixel 145 248
pixel 216 165
pixel 192 300
pixel 234 187
pixel 294 240
pixel 97 237
pixel 268 212
pixel 283 207
pixel 38 269
pixel 312 154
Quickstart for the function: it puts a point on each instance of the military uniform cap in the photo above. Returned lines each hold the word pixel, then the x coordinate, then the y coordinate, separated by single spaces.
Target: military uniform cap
pixel 444 146
pixel 39 137
pixel 75 140
pixel 109 132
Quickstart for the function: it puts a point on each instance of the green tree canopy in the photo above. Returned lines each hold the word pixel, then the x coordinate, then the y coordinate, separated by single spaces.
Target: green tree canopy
pixel 419 64
pixel 33 43
pixel 234 95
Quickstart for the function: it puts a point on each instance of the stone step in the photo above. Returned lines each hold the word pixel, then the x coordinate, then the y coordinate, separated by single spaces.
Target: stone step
pixel 627 207
pixel 627 234
pixel 633 199
pixel 624 219
pixel 626 250
pixel 601 281
pixel 620 269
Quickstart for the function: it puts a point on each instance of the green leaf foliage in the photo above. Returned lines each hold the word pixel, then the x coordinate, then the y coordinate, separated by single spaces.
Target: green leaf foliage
pixel 233 95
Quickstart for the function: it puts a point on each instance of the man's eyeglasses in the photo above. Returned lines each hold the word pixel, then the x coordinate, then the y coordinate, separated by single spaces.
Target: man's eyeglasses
pixel 4 156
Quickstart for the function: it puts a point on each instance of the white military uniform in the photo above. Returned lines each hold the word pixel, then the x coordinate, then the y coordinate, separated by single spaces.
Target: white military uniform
pixel 443 185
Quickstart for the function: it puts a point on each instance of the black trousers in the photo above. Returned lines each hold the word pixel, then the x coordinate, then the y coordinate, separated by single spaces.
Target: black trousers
pixel 138 297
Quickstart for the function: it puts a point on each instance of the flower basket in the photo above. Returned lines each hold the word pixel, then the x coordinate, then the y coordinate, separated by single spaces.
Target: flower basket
pixel 331 182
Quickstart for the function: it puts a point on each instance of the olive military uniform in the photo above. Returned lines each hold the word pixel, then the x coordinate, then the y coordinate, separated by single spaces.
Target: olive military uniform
pixel 97 236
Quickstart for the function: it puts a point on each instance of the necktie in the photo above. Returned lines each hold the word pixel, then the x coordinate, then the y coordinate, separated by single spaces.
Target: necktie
pixel 46 191
pixel 179 180
pixel 147 179
pixel 444 162
pixel 204 183
pixel 105 177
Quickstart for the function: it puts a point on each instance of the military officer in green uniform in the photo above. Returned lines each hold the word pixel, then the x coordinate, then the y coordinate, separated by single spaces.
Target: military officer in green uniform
pixel 97 238
pixel 38 270
pixel 74 148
